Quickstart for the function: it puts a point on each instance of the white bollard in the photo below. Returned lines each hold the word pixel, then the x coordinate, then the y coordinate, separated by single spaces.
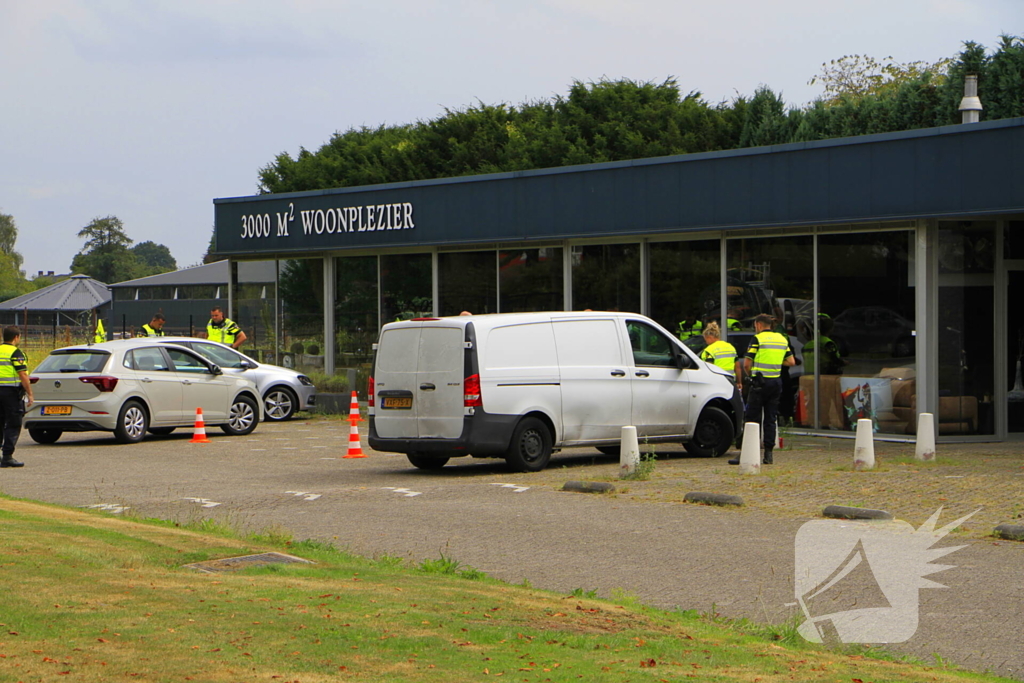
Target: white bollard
pixel 925 449
pixel 629 451
pixel 864 449
pixel 750 450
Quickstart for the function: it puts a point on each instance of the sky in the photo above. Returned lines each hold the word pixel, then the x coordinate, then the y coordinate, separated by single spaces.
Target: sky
pixel 149 110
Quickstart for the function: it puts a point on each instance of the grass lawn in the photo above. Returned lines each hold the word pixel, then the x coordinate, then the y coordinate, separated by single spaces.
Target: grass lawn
pixel 91 597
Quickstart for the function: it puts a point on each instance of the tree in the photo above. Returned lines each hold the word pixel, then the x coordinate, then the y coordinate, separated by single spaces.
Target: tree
pixel 211 249
pixel 861 75
pixel 8 236
pixel 106 255
pixel 154 258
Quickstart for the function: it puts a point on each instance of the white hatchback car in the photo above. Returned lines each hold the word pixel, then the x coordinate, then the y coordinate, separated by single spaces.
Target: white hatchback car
pixel 129 387
pixel 283 390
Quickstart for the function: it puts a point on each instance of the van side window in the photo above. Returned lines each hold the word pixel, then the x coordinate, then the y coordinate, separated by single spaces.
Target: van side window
pixel 650 347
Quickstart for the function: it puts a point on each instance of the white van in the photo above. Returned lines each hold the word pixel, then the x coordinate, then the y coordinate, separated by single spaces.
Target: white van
pixel 520 385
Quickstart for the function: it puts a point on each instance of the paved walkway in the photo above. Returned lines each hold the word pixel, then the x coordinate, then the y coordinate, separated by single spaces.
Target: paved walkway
pixel 642 540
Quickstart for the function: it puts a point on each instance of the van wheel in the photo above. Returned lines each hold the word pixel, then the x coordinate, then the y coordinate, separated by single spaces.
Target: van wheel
pixel 530 449
pixel 427 462
pixel 713 435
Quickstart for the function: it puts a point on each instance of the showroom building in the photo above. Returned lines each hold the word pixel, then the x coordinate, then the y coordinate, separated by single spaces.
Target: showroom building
pixel 907 247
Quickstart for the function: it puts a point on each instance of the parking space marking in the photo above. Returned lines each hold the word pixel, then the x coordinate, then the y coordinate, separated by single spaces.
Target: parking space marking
pixel 257 449
pixel 107 507
pixel 289 448
pixel 405 492
pixel 516 488
pixel 202 501
pixel 305 495
pixel 328 458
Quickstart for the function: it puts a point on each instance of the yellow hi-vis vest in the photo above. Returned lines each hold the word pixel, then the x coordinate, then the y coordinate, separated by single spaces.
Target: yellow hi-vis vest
pixel 692 330
pixel 225 334
pixel 771 351
pixel 101 334
pixel 148 331
pixel 722 354
pixel 8 373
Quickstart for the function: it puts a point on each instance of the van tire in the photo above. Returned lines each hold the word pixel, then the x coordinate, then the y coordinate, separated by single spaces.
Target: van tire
pixel 427 462
pixel 713 435
pixel 530 449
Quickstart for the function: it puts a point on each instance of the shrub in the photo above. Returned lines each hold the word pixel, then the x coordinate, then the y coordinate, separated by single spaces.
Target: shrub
pixel 297 347
pixel 313 350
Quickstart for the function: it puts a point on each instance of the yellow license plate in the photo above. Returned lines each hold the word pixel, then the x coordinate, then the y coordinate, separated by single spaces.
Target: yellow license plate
pixel 56 410
pixel 400 402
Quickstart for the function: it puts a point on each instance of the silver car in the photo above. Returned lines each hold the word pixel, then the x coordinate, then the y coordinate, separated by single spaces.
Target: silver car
pixel 284 391
pixel 129 387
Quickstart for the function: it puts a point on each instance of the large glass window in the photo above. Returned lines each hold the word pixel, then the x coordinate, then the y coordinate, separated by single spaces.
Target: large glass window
pixel 301 312
pixel 255 301
pixel 764 275
pixel 684 287
pixel 406 287
pixel 530 279
pixel 355 312
pixel 865 353
pixel 467 281
pixel 966 256
pixel 606 277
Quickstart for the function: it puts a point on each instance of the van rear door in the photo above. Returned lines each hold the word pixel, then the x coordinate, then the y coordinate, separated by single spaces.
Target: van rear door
pixel 418 381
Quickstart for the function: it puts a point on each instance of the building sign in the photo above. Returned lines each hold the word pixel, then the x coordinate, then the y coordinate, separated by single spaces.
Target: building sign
pixel 330 221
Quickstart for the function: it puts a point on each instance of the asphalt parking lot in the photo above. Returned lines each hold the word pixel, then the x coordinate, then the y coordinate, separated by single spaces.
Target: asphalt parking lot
pixel 642 540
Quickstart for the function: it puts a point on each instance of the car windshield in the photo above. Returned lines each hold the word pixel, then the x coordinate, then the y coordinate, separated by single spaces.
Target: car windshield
pixel 226 358
pixel 74 360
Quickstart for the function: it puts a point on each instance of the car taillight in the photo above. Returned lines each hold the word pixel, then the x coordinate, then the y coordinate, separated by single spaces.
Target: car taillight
pixel 33 380
pixel 101 382
pixel 369 389
pixel 471 392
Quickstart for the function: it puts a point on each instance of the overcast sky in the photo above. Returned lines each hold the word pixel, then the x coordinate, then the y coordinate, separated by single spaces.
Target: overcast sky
pixel 148 110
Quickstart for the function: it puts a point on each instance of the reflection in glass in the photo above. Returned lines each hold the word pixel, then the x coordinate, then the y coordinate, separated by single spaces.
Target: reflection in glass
pixel 301 313
pixel 684 281
pixel 467 281
pixel 355 312
pixel 966 310
pixel 530 279
pixel 770 276
pixel 255 294
pixel 606 277
pixel 866 346
pixel 405 287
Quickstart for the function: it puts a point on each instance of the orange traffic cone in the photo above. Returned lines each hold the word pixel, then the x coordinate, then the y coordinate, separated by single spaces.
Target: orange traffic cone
pixel 353 411
pixel 354 451
pixel 199 434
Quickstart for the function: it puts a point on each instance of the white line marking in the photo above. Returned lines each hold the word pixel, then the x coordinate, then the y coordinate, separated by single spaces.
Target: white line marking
pixel 289 448
pixel 108 507
pixel 516 488
pixel 202 501
pixel 257 449
pixel 328 458
pixel 406 492
pixel 305 495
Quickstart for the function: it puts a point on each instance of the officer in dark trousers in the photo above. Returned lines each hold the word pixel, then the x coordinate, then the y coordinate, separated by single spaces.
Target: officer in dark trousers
pixel 767 353
pixel 14 384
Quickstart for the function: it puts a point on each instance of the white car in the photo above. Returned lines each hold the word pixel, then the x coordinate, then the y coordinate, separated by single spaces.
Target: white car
pixel 130 386
pixel 283 390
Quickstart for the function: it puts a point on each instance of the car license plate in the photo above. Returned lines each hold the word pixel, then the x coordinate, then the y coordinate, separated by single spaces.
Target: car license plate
pixel 56 410
pixel 396 402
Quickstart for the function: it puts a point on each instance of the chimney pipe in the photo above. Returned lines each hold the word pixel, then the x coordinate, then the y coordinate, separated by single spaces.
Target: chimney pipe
pixel 970 105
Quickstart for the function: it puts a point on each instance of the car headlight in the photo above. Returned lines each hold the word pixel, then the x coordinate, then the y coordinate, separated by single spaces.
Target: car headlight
pixel 305 381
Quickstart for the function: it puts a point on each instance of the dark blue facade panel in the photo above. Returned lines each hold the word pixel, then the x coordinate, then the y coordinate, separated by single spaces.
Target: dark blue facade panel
pixel 935 172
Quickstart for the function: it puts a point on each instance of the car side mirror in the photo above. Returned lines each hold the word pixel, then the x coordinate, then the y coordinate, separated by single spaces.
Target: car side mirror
pixel 245 365
pixel 215 369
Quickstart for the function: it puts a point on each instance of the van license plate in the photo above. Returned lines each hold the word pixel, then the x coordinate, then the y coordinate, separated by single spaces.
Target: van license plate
pixel 56 410
pixel 397 402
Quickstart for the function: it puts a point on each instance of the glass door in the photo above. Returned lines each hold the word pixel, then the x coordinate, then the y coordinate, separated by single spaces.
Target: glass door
pixel 1015 353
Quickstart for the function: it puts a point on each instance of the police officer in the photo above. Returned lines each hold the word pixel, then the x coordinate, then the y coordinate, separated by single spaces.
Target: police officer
pixel 690 327
pixel 224 330
pixel 14 384
pixel 722 354
pixel 767 354
pixel 155 328
pixel 830 360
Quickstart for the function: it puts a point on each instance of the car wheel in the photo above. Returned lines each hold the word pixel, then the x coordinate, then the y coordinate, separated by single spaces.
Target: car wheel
pixel 279 404
pixel 161 431
pixel 713 435
pixel 427 462
pixel 45 435
pixel 242 417
pixel 530 449
pixel 610 450
pixel 132 423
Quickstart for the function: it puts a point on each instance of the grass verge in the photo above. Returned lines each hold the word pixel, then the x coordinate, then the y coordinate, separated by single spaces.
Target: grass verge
pixel 89 597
